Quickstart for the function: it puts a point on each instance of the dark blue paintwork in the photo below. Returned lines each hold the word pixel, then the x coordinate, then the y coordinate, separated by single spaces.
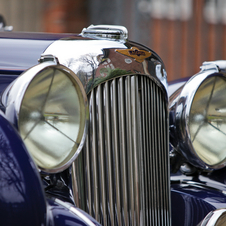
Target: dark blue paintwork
pixel 174 85
pixel 19 51
pixel 190 204
pixel 5 80
pixel 193 197
pixel 62 216
pixel 22 200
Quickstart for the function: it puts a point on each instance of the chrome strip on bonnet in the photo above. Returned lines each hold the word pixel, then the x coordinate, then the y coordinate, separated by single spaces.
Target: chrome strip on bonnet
pixel 125 160
pixel 75 211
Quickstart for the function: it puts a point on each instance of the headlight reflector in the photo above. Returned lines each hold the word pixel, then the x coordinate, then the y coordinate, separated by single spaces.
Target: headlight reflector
pixel 198 119
pixel 51 111
pixel 207 121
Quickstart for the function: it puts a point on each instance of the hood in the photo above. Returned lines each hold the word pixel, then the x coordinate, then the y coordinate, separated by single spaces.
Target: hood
pixel 95 61
pixel 92 59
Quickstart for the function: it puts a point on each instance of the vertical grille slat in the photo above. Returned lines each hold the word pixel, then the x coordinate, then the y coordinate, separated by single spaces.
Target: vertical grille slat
pixel 108 136
pixel 160 156
pixel 101 157
pixel 142 151
pixel 126 165
pixel 88 178
pixel 123 149
pixel 136 147
pixel 167 169
pixel 129 149
pixel 153 157
pixel 116 151
pixel 163 162
pixel 95 164
pixel 157 164
pixel 147 141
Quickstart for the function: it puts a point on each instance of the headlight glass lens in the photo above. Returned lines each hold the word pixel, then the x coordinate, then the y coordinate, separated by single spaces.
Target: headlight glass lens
pixel 52 118
pixel 207 121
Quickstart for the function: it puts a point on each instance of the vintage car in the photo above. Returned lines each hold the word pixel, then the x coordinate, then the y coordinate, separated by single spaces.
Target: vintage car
pixel 92 134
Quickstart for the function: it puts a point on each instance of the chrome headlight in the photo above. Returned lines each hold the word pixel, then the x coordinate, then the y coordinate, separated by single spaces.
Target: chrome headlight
pixel 200 119
pixel 48 105
pixel 215 218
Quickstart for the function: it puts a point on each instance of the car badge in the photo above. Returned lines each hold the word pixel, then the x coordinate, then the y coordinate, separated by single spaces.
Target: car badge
pixel 137 54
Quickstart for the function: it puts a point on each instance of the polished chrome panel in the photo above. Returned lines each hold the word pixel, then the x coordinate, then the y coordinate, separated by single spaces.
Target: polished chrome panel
pixel 215 218
pixel 221 64
pixel 126 166
pixel 113 32
pixel 95 59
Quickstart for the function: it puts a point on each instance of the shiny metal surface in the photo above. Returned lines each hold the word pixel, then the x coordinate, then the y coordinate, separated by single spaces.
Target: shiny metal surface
pixel 207 121
pixel 38 105
pixel 215 218
pixel 181 108
pixel 75 211
pixel 94 61
pixel 114 32
pixel 125 160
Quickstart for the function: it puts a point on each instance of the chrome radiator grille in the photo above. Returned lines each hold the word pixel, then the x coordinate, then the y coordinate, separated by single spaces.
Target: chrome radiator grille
pixel 122 174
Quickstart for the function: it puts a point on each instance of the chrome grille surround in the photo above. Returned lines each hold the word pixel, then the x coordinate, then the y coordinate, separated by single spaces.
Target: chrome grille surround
pixel 122 175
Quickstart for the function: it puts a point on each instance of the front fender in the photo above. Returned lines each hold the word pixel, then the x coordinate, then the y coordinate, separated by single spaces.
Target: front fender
pixel 192 202
pixel 63 213
pixel 22 200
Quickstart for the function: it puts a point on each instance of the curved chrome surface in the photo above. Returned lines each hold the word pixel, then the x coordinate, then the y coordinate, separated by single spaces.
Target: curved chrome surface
pixel 180 106
pixel 221 64
pixel 75 211
pixel 106 32
pixel 22 84
pixel 215 218
pixel 95 61
pixel 13 97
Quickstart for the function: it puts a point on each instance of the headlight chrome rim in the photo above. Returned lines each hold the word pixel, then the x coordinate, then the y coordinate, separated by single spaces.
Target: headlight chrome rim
pixel 214 218
pixel 14 96
pixel 180 108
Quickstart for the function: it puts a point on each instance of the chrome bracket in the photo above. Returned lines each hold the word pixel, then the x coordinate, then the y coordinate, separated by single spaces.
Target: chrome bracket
pixel 218 65
pixel 113 32
pixel 48 57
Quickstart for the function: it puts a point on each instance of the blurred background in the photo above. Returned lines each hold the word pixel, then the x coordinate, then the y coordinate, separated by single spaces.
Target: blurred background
pixel 184 33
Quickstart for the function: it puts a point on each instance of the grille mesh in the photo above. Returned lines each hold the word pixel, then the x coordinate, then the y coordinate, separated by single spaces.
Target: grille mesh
pixel 122 175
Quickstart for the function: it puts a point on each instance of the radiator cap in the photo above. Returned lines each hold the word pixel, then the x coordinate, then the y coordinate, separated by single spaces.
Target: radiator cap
pixel 113 32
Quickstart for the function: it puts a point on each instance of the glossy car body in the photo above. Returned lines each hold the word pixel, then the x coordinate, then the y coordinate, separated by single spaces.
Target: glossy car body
pixel 121 175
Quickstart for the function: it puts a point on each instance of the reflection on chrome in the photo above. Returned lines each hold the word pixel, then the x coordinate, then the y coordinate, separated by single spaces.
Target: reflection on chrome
pixel 208 126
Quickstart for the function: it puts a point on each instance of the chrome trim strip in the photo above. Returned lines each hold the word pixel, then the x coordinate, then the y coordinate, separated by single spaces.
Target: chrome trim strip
pixel 101 156
pixel 116 149
pixel 136 142
pixel 88 181
pixel 129 147
pixel 94 160
pixel 123 149
pixel 146 143
pixel 108 146
pixel 75 211
pixel 114 32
